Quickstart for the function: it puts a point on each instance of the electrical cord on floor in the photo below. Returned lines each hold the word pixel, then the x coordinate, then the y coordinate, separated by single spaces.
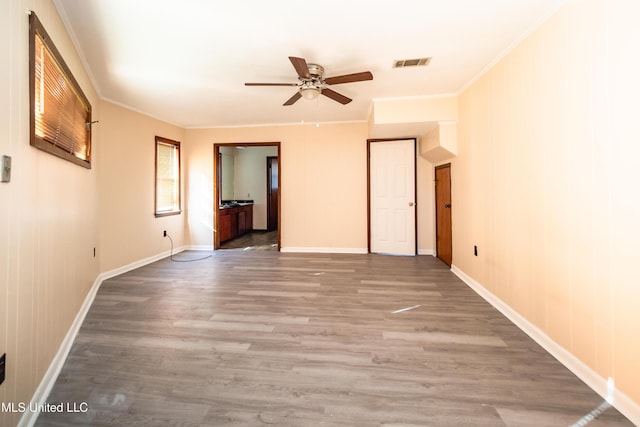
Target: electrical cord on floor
pixel 183 260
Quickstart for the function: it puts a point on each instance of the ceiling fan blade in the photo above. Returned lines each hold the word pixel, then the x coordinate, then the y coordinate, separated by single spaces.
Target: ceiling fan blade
pixel 300 64
pixel 271 84
pixel 336 96
pixel 293 99
pixel 349 78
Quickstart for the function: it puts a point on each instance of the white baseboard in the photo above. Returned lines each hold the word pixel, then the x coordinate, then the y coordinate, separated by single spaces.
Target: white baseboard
pixel 28 419
pixel 343 250
pixel 137 264
pixel 621 401
pixel 41 394
pixel 199 248
pixel 325 250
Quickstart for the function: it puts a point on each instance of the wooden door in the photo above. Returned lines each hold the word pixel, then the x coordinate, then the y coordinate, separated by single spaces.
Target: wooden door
pixel 249 218
pixel 272 193
pixel 242 221
pixel 392 196
pixel 224 225
pixel 443 213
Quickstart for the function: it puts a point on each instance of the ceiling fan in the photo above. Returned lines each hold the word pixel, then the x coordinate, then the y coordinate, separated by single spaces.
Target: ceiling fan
pixel 313 83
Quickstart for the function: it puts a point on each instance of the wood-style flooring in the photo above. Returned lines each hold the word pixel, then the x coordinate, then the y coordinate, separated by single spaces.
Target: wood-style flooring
pixel 257 338
pixel 254 240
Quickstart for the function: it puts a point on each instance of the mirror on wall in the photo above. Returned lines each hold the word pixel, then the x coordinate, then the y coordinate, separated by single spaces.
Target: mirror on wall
pixel 227 160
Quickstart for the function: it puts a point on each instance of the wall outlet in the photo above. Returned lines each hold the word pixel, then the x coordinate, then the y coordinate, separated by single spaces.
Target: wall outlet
pixel 164 233
pixel 3 360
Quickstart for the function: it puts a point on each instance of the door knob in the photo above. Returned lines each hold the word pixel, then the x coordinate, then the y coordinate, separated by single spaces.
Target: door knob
pixel 448 205
pixel 410 203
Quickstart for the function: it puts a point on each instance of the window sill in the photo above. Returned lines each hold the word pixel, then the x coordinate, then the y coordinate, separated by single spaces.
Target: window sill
pixel 161 214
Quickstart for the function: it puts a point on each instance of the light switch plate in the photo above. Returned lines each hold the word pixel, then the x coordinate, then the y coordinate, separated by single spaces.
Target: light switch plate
pixel 5 166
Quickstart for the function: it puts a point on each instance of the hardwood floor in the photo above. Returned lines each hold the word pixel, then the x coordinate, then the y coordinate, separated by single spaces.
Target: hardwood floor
pixel 267 338
pixel 255 240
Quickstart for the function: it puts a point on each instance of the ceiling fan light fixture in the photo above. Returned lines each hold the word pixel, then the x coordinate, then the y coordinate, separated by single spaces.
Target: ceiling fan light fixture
pixel 309 92
pixel 311 82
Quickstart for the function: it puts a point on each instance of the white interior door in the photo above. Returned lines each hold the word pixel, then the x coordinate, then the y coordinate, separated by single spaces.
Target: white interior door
pixel 392 197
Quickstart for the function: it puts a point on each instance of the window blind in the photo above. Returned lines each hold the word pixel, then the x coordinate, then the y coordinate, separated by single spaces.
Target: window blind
pixel 167 176
pixel 61 112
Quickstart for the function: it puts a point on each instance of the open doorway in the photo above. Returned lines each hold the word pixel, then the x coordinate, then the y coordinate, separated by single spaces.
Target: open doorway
pixel 246 211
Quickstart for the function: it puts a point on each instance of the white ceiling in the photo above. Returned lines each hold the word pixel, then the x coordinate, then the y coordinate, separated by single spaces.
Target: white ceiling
pixel 186 61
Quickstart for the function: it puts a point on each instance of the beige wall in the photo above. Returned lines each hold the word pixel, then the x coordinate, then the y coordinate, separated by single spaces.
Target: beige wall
pixel 48 216
pixel 546 184
pixel 414 110
pixel 323 182
pixel 324 185
pixel 425 204
pixel 129 231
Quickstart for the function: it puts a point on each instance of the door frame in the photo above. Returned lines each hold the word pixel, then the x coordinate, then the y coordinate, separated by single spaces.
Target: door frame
pixel 415 186
pixel 435 194
pixel 217 174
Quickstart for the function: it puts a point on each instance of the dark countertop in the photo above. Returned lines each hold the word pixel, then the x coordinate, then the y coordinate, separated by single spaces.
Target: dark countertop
pixel 227 204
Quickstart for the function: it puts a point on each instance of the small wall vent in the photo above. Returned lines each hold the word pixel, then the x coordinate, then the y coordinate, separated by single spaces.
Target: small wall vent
pixel 416 62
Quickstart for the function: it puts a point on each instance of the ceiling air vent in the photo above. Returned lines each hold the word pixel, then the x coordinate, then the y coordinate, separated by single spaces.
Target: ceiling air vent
pixel 416 62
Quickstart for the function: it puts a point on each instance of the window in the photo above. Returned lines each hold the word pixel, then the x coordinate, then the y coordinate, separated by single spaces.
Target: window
pixel 60 112
pixel 167 177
